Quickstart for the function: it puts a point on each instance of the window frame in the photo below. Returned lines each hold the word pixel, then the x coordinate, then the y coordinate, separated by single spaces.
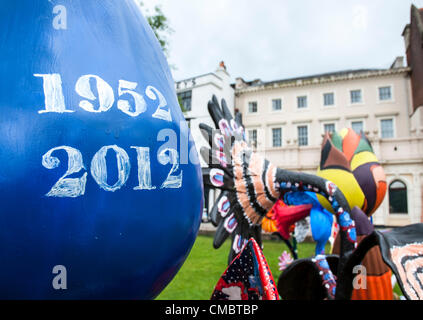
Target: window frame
pixel 350 97
pixel 307 101
pixel 248 136
pixel 248 107
pixel 271 136
pixel 298 134
pixel 334 100
pixel 271 104
pixel 398 214
pixel 393 127
pixel 182 99
pixel 379 101
pixel 326 123
pixel 358 120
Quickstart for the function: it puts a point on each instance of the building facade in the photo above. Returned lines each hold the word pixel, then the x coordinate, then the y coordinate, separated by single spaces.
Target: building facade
pixel 194 94
pixel 285 120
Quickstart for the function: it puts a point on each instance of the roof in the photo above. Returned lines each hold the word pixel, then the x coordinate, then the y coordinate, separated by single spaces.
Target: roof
pixel 199 76
pixel 319 78
pixel 323 75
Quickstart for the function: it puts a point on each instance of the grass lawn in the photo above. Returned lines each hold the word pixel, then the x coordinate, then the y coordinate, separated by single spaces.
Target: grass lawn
pixel 201 271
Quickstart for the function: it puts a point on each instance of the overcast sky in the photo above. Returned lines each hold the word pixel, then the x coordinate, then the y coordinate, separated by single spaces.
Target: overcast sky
pixel 277 39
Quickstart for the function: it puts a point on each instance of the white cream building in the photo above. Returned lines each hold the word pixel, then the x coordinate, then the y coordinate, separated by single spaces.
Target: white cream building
pixel 286 120
pixel 194 94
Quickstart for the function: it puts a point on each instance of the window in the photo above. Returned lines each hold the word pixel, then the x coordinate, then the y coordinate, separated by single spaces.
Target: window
pixel 329 127
pixel 276 104
pixel 398 197
pixel 277 137
pixel 302 102
pixel 184 99
pixel 357 126
pixel 252 107
pixel 302 135
pixel 387 128
pixel 252 137
pixel 328 99
pixel 385 93
pixel 356 96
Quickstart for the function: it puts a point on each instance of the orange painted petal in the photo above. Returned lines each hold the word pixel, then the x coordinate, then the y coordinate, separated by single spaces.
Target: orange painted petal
pixel 350 144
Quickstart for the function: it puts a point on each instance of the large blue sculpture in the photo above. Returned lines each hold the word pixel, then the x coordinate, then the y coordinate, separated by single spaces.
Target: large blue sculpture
pixel 100 187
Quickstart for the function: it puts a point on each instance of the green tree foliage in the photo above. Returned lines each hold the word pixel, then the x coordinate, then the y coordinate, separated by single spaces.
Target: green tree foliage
pixel 159 23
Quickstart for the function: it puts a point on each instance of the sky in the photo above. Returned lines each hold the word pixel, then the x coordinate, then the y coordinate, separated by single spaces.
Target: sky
pixel 279 39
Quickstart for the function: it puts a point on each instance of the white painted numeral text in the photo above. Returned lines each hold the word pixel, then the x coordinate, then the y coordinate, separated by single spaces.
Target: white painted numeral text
pixel 66 187
pixel 75 187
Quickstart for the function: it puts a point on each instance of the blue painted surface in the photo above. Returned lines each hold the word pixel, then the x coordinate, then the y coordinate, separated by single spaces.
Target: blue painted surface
pixel 320 219
pixel 126 244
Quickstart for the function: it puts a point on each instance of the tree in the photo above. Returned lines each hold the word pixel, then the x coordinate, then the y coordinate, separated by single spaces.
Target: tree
pixel 160 25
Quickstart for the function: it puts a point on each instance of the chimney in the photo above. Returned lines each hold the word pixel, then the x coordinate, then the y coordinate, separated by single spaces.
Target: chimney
pixel 398 63
pixel 222 65
pixel 406 36
pixel 222 72
pixel 240 83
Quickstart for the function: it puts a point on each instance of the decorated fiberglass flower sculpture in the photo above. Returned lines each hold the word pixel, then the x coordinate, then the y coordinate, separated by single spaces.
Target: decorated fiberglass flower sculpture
pixel 348 160
pixel 250 186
